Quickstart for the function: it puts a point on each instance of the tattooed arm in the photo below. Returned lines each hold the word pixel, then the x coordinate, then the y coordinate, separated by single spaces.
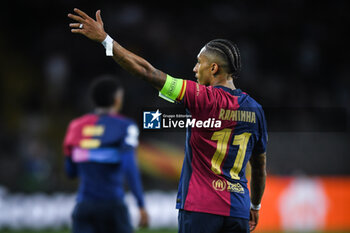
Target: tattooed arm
pixel 138 66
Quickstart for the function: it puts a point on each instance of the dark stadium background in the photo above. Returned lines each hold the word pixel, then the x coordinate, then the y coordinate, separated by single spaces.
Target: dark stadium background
pixel 295 58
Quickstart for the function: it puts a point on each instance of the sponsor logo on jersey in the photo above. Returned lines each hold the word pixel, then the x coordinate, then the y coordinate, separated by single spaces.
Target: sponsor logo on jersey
pixel 219 185
pixel 235 187
pixel 224 185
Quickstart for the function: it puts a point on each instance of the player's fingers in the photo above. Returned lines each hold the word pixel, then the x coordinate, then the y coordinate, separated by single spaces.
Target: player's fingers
pixel 74 25
pixel 78 31
pixel 252 222
pixel 76 18
pixel 252 227
pixel 81 13
pixel 98 17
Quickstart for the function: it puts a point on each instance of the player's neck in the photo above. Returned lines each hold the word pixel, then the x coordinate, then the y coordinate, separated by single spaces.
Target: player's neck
pixel 105 111
pixel 226 82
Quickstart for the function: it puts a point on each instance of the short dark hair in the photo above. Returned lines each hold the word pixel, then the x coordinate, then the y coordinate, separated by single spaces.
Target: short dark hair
pixel 103 91
pixel 229 52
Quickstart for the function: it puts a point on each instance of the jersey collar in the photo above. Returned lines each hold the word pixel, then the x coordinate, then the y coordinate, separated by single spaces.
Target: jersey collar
pixel 236 92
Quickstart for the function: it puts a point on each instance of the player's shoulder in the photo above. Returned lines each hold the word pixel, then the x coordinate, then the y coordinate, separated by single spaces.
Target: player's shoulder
pixel 245 101
pixel 250 104
pixel 118 121
pixel 91 118
pixel 200 91
pixel 251 100
pixel 84 119
pixel 128 129
pixel 122 119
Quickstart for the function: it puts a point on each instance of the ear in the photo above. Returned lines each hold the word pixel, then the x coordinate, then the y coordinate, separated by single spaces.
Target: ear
pixel 214 68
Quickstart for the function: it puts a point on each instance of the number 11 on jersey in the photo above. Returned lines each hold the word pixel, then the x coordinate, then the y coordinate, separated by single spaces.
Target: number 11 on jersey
pixel 222 137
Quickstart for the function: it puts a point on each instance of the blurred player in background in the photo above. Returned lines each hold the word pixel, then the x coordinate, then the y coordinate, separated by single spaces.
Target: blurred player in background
pixel 213 195
pixel 99 148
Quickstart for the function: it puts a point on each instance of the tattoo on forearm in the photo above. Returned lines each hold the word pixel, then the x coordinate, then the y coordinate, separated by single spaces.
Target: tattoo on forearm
pixel 156 79
pixel 138 66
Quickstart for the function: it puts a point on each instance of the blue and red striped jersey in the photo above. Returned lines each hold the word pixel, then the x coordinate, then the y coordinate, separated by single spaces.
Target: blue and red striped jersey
pixel 100 149
pixel 213 174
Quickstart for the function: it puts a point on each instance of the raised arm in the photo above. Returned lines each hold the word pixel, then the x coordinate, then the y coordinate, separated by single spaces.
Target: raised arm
pixel 93 29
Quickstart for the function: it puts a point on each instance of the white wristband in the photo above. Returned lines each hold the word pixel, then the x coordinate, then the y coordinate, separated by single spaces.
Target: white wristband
pixel 108 44
pixel 255 207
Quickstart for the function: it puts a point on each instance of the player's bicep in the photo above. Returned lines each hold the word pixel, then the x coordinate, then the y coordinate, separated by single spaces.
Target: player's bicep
pixel 173 89
pixel 158 78
pixel 258 161
pixel 195 97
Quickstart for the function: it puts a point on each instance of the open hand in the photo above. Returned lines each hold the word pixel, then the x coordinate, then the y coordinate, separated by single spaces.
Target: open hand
pixel 87 26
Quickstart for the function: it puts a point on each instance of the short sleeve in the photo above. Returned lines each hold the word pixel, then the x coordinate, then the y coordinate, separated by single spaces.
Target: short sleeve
pixel 131 137
pixel 260 146
pixel 68 140
pixel 197 97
